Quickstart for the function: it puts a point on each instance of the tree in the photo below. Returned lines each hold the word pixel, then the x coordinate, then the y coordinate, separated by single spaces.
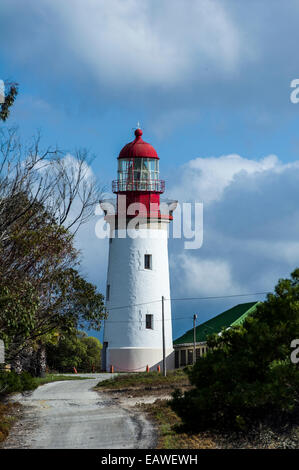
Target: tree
pixel 47 292
pixel 77 350
pixel 92 361
pixel 44 199
pixel 247 373
pixel 31 175
pixel 9 100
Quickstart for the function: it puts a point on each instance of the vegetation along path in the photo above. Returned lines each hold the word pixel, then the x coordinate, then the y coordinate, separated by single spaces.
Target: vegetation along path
pixel 70 414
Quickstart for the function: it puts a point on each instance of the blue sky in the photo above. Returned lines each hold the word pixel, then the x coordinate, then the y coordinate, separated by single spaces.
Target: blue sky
pixel 210 85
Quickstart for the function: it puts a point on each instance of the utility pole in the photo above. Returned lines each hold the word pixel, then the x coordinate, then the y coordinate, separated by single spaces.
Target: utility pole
pixel 194 338
pixel 163 338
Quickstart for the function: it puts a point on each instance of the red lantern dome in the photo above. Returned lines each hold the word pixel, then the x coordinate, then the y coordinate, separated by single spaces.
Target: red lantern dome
pixel 138 148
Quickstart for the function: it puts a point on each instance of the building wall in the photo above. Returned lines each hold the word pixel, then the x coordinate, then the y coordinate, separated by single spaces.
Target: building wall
pixel 184 354
pixel 131 346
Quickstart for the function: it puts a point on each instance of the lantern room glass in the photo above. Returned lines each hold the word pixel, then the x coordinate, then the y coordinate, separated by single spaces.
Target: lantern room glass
pixel 138 174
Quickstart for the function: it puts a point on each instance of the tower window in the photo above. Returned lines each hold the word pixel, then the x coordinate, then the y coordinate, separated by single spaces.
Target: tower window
pixel 147 261
pixel 108 292
pixel 149 322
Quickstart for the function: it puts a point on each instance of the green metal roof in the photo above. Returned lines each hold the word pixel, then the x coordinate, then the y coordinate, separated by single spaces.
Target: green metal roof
pixel 234 316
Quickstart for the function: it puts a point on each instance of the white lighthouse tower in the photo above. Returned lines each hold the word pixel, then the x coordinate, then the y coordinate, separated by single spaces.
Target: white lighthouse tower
pixel 138 271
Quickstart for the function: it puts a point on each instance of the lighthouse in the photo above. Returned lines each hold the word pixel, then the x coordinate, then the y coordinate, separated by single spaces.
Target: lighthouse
pixel 138 326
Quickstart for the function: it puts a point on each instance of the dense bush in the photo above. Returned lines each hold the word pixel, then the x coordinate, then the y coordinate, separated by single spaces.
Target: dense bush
pixel 78 350
pixel 12 382
pixel 247 374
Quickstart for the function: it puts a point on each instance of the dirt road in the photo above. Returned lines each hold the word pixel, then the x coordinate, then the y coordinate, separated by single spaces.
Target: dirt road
pixel 70 415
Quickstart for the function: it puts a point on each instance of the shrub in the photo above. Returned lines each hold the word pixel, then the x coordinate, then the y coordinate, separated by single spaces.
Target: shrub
pixel 247 374
pixel 27 381
pixel 76 350
pixel 12 382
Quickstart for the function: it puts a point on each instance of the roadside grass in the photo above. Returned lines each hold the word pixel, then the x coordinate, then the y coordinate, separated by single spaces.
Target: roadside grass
pixel 7 418
pixel 56 378
pixel 145 381
pixel 262 435
pixel 11 382
pixel 168 425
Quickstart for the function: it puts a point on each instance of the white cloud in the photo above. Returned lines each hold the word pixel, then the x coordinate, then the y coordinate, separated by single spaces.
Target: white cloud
pixel 205 179
pixel 93 250
pixel 160 57
pixel 72 166
pixel 285 252
pixel 251 225
pixel 132 42
pixel 94 254
pixel 205 276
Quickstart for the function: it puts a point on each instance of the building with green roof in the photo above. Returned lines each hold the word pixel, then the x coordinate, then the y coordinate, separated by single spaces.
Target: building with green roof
pixel 184 345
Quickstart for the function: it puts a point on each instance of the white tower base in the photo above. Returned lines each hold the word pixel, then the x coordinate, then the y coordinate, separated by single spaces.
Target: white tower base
pixel 133 329
pixel 137 359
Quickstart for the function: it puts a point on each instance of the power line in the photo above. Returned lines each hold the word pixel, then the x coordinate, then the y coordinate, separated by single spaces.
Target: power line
pixel 140 321
pixel 135 305
pixel 188 298
pixel 220 296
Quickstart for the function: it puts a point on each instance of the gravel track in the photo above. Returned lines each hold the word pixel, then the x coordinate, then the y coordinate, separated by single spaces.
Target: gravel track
pixel 70 415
